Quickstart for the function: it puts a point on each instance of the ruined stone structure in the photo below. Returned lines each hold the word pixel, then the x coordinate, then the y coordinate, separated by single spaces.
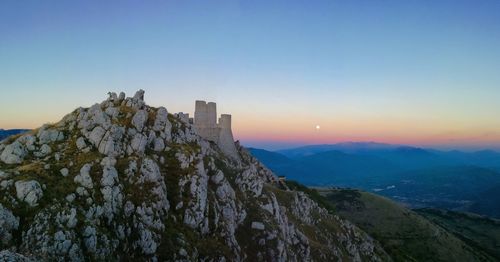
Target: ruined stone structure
pixel 205 122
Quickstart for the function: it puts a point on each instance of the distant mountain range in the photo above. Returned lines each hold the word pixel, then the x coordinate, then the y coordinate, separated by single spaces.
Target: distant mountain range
pixel 419 177
pixel 4 133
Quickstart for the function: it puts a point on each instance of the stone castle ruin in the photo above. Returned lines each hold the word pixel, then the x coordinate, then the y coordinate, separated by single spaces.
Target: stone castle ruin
pixel 205 122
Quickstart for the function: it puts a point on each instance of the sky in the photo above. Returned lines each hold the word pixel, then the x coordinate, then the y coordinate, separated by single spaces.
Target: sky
pixel 423 73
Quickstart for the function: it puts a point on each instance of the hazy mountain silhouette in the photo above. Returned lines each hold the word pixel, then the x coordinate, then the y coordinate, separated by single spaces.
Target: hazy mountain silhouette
pixel 418 177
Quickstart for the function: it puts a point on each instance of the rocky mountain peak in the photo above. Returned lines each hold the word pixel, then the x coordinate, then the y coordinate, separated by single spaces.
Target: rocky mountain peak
pixel 122 180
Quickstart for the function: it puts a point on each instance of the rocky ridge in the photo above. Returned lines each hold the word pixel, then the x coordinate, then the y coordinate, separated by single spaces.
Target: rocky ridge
pixel 122 180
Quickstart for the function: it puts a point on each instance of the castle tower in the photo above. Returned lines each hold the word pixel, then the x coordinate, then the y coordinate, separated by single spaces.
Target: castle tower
pixel 226 139
pixel 201 113
pixel 225 121
pixel 205 123
pixel 211 114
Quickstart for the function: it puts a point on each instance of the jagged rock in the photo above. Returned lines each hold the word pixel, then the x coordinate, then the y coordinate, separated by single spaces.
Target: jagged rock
pixel 111 193
pixel 195 213
pixel 121 97
pixel 96 135
pixel 249 180
pixel 111 142
pixel 29 191
pixel 112 96
pixel 139 95
pixel 84 178
pixel 138 143
pixel 161 121
pixel 140 119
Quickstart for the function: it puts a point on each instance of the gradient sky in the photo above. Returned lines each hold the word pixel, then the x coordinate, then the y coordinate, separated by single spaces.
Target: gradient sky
pixel 415 72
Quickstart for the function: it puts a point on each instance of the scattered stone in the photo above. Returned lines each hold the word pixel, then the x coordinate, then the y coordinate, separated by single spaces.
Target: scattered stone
pixel 64 172
pixel 45 150
pixel 70 198
pixel 80 143
pixel 258 225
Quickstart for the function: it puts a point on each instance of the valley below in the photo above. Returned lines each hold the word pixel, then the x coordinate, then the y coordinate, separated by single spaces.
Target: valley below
pixel 415 177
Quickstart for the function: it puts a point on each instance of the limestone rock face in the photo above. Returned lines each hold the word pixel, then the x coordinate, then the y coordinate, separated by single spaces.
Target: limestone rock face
pixel 121 180
pixel 140 119
pixel 29 191
pixel 9 256
pixel 8 223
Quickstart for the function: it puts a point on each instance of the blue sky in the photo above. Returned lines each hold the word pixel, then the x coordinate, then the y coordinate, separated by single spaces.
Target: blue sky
pixel 414 72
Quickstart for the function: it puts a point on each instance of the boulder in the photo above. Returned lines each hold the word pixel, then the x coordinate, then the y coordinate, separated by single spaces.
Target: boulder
pixel 13 153
pixel 29 191
pixel 44 150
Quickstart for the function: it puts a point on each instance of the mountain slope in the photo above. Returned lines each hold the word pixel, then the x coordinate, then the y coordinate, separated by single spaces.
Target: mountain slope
pixel 125 181
pixel 481 232
pixel 404 234
pixel 348 147
pixel 274 159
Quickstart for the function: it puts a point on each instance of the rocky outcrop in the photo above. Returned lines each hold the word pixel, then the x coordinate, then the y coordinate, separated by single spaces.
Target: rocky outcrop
pixel 9 256
pixel 125 181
